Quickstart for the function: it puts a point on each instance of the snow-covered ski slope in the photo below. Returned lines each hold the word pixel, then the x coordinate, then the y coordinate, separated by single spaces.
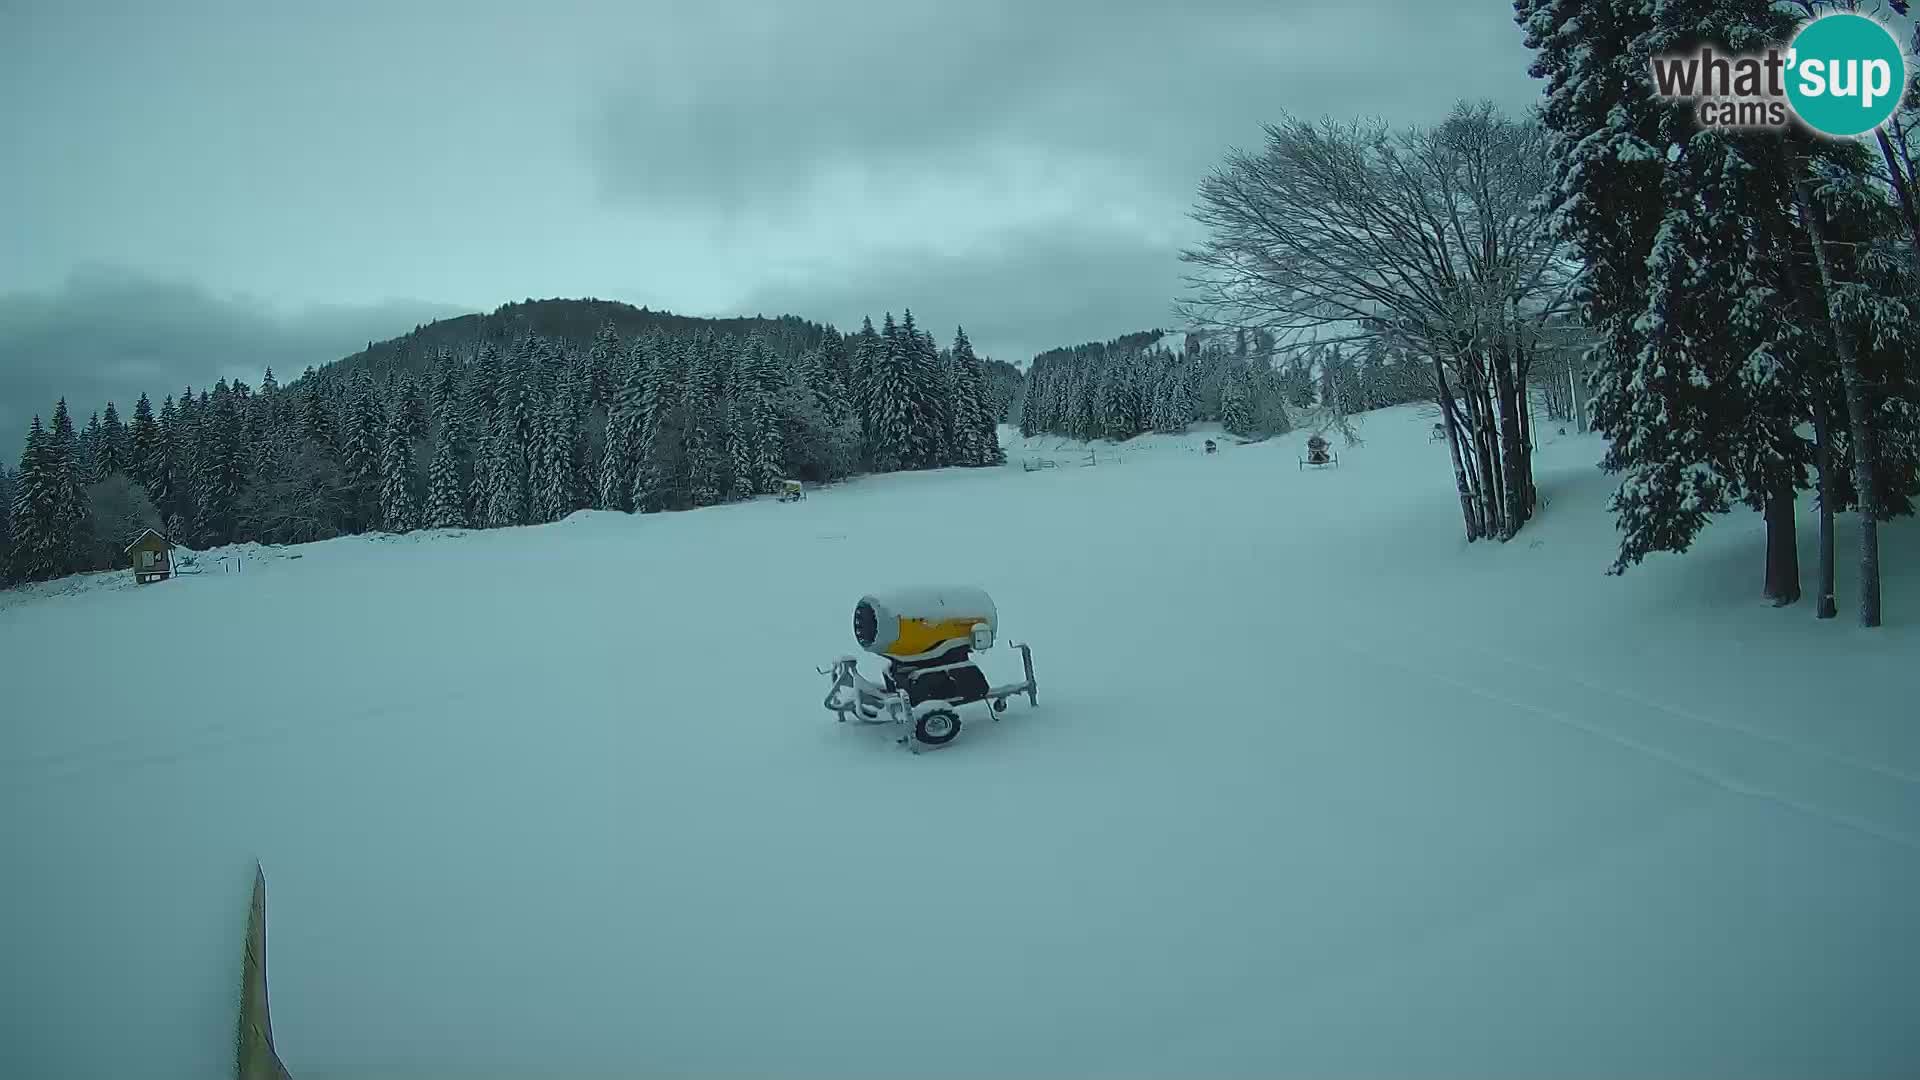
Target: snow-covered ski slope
pixel 1314 789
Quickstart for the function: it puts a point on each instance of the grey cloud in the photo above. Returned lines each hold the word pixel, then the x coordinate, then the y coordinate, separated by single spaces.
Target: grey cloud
pixel 1026 291
pixel 109 335
pixel 1159 92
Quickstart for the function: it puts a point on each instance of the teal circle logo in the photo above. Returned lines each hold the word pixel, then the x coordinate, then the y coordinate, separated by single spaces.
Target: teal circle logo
pixel 1845 74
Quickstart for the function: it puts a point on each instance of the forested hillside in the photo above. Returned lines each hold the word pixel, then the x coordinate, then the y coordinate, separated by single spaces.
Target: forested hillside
pixel 521 416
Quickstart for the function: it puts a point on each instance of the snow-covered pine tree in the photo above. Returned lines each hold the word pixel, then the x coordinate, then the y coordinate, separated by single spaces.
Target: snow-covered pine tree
pixel 317 420
pixel 411 408
pixel 362 452
pixel 479 484
pixel 506 497
pixel 144 442
pixel 703 412
pixel 626 420
pixel 1608 152
pixel 1236 411
pixel 602 360
pixel 917 358
pixel 482 391
pixel 1182 406
pixel 161 465
pixel 550 470
pixel 446 494
pixel 219 466
pixel 768 447
pixel 399 502
pixel 582 479
pixel 71 525
pixel 35 556
pixel 980 436
pixel 736 474
pixel 86 464
pixel 869 355
pixel 889 404
pixel 1032 400
pixel 659 473
pixel 7 489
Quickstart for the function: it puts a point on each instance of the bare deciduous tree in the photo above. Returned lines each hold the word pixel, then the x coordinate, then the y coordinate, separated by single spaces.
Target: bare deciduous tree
pixel 1425 241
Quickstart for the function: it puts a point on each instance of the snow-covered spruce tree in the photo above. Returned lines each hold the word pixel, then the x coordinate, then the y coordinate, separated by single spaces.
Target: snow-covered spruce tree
pixel 144 442
pixel 836 378
pixel 737 477
pixel 918 439
pixel 1608 150
pixel 702 412
pixel 115 450
pixel 1174 396
pixel 889 394
pixel 973 421
pixel 446 493
pixel 481 394
pixel 410 407
pixel 549 477
pixel 657 425
pixel 620 457
pixel 219 464
pixel 822 381
pixel 1236 411
pixel 768 444
pixel 162 466
pixel 70 526
pixel 581 478
pixel 85 462
pixel 443 389
pixel 35 553
pixel 479 485
pixel 1674 225
pixel 758 379
pixel 399 503
pixel 506 477
pixel 603 358
pixel 7 491
pixel 361 453
pixel 867 351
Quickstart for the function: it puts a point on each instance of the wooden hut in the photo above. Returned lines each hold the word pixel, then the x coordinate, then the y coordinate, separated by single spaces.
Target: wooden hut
pixel 151 556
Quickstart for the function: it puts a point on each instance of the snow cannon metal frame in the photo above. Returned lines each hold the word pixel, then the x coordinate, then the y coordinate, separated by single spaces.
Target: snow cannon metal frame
pixel 927 637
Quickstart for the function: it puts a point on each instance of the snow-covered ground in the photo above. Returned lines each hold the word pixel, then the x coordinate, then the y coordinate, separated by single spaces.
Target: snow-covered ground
pixel 1314 789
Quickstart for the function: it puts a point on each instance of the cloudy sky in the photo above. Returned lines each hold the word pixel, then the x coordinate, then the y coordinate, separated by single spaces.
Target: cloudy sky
pixel 197 189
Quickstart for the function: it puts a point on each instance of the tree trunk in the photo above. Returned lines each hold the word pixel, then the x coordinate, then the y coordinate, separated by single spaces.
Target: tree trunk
pixel 1824 607
pixel 1487 450
pixel 1858 415
pixel 1513 448
pixel 1783 548
pixel 1445 395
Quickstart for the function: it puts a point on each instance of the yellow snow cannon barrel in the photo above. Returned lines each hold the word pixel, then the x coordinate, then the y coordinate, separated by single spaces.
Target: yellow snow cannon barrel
pixel 909 624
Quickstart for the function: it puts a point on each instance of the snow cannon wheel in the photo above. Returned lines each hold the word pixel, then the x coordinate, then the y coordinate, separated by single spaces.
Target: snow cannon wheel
pixel 937 727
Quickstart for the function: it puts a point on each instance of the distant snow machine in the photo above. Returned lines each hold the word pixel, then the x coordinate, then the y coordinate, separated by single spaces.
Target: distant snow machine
pixel 927 636
pixel 1319 454
pixel 1212 448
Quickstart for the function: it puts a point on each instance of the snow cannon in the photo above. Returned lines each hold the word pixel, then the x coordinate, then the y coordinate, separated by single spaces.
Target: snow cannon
pixel 927 637
pixel 908 624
